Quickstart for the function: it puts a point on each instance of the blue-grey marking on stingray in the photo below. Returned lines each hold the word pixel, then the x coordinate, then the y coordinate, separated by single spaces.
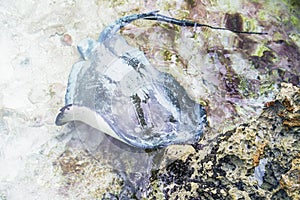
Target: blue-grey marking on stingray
pixel 72 82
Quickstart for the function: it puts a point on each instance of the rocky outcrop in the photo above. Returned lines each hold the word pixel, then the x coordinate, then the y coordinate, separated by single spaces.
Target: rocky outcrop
pixel 256 160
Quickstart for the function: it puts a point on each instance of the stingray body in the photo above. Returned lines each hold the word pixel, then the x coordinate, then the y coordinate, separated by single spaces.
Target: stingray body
pixel 116 90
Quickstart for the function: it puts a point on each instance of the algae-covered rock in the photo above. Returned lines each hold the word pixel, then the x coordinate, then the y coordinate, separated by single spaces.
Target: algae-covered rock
pixel 257 160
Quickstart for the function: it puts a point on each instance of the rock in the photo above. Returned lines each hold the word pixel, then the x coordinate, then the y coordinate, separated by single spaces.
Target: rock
pixel 257 160
pixel 176 152
pixel 290 181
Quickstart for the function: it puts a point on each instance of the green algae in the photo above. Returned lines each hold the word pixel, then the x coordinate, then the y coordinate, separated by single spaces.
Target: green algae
pixel 260 50
pixel 296 38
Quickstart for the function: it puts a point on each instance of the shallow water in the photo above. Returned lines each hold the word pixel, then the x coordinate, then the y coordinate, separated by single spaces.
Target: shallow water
pixel 231 75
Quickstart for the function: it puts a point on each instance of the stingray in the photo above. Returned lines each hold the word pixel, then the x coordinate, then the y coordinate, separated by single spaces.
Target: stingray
pixel 116 90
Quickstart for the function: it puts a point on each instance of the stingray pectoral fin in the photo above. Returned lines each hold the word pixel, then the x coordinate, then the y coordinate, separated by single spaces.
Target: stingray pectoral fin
pixel 85 47
pixel 88 116
pixel 95 120
pixel 65 115
pixel 72 81
pixel 59 121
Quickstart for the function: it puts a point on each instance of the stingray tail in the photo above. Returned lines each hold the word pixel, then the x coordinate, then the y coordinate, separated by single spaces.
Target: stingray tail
pixel 109 31
pixel 163 18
